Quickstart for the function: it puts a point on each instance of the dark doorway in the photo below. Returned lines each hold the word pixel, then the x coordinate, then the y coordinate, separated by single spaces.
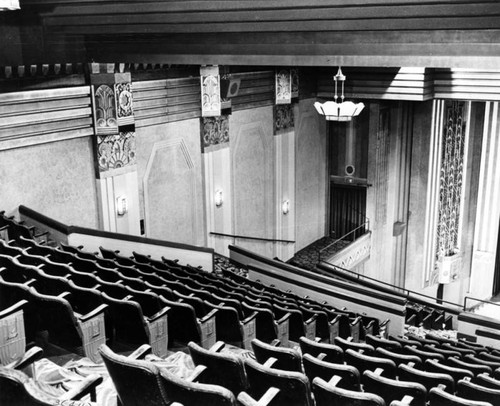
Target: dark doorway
pixel 347 211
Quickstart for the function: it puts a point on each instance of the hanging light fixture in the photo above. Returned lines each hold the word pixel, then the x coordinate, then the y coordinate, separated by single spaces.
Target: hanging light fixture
pixel 9 5
pixel 343 111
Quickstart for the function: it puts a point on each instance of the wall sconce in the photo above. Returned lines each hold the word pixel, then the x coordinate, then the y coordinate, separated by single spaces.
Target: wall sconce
pixel 218 198
pixel 121 205
pixel 285 206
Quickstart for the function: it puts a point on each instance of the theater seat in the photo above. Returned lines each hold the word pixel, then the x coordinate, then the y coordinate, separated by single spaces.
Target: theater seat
pixel 325 352
pixel 391 389
pixel 136 381
pixel 294 386
pixel 17 389
pixel 438 397
pixel 473 391
pixel 328 394
pixel 486 380
pixel 428 379
pixel 314 367
pixel 370 363
pixel 455 372
pixel 193 393
pixel 223 368
pixel 285 358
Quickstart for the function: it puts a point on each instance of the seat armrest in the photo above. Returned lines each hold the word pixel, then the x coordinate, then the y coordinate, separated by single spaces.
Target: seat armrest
pixel 141 352
pixel 160 314
pixel 30 356
pixel 99 309
pixel 311 319
pixel 197 374
pixel 209 315
pixel 85 387
pixel 218 346
pixel 275 343
pixel 246 400
pixel 14 308
pixel 284 318
pixel 270 362
pixel 249 318
pixel 64 295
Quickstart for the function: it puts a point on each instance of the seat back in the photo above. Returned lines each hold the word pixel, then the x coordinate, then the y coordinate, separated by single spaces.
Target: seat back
pixel 224 369
pixel 428 379
pixel 326 394
pixel 455 372
pixel 438 397
pixel 391 389
pixel 398 358
pixel 136 382
pixel 294 386
pixel 486 380
pixel 332 353
pixel 474 368
pixel 474 391
pixel 346 344
pixel 287 359
pixel 378 342
pixel 191 393
pixel 314 367
pixel 368 363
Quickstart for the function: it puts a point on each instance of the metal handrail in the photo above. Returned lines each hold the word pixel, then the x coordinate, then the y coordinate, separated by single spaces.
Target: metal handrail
pixel 245 237
pixel 405 291
pixel 365 225
pixel 478 300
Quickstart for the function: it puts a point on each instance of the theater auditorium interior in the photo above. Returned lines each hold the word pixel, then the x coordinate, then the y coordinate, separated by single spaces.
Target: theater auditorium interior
pixel 237 202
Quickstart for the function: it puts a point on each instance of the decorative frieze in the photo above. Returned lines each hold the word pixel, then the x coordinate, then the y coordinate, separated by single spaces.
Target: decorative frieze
pixel 283 118
pixel 116 151
pixel 214 132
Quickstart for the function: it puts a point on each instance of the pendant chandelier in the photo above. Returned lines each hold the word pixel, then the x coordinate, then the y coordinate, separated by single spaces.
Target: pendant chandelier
pixel 343 111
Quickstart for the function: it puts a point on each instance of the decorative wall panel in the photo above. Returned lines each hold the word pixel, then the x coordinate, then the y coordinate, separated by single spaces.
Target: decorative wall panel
pixel 171 195
pixel 214 132
pixel 116 151
pixel 451 179
pixel 283 86
pixel 283 118
pixel 124 103
pixel 105 110
pixel 210 91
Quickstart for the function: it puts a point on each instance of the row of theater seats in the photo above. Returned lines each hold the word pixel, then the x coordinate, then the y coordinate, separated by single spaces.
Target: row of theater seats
pixel 285 376
pixel 81 299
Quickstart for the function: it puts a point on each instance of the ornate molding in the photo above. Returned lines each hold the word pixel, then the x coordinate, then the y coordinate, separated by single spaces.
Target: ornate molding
pixel 214 132
pixel 354 254
pixel 382 170
pixel 283 86
pixel 116 151
pixel 210 91
pixel 283 118
pixel 295 82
